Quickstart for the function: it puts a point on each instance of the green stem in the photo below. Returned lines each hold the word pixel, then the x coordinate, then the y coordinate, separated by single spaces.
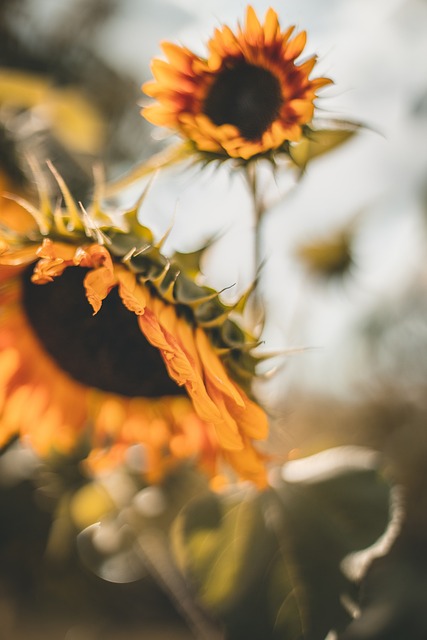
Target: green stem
pixel 258 208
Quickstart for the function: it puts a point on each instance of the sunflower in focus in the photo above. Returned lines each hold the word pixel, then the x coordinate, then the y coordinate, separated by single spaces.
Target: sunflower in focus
pixel 106 343
pixel 249 97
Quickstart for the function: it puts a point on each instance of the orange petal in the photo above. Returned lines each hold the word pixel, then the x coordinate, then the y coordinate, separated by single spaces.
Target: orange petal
pixel 50 249
pixel 294 47
pixel 287 34
pixel 227 429
pixel 159 115
pixel 170 77
pixel 16 257
pixel 252 419
pixel 98 284
pixel 133 295
pixel 9 364
pixel 177 364
pixel 249 464
pixel 320 82
pixel 307 66
pixel 180 57
pixel 253 29
pixel 15 412
pixel 214 370
pixel 271 27
pixel 187 340
pixel 303 109
pixel 152 88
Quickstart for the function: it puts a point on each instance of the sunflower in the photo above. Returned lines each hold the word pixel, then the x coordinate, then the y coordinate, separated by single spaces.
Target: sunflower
pixel 249 97
pixel 331 256
pixel 105 342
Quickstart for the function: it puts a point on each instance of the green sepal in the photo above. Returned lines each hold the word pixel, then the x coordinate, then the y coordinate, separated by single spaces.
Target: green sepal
pixel 189 293
pixel 166 287
pixel 190 261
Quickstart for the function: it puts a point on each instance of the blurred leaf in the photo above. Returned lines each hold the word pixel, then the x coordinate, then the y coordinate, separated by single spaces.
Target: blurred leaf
pixel 268 565
pixel 393 600
pixel 317 142
pixel 324 521
pixel 227 552
pixel 162 160
pixel 76 122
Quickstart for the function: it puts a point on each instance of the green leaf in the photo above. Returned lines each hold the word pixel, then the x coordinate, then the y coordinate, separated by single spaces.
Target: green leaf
pixel 226 551
pixel 340 504
pixel 268 565
pixel 317 142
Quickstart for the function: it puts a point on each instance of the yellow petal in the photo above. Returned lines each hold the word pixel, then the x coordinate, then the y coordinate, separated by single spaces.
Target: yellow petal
pixel 271 27
pixel 227 38
pixel 295 46
pixel 249 464
pixel 253 29
pixel 320 82
pixel 303 109
pixel 252 419
pixel 17 257
pixel 15 411
pixel 292 132
pixel 214 369
pixel 180 57
pixel 54 260
pixel 133 295
pixel 153 89
pixel 159 115
pixel 9 364
pixel 307 66
pixel 226 428
pixel 177 364
pixel 286 35
pixel 171 78
pixel 98 284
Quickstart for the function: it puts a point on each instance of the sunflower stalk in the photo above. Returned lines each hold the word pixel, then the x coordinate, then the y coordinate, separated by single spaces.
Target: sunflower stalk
pixel 259 209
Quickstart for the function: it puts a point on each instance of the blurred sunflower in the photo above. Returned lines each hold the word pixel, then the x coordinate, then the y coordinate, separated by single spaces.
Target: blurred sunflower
pixel 105 342
pixel 330 256
pixel 247 98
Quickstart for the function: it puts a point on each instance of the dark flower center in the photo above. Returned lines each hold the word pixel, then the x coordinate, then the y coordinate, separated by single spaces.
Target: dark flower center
pixel 106 351
pixel 246 96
